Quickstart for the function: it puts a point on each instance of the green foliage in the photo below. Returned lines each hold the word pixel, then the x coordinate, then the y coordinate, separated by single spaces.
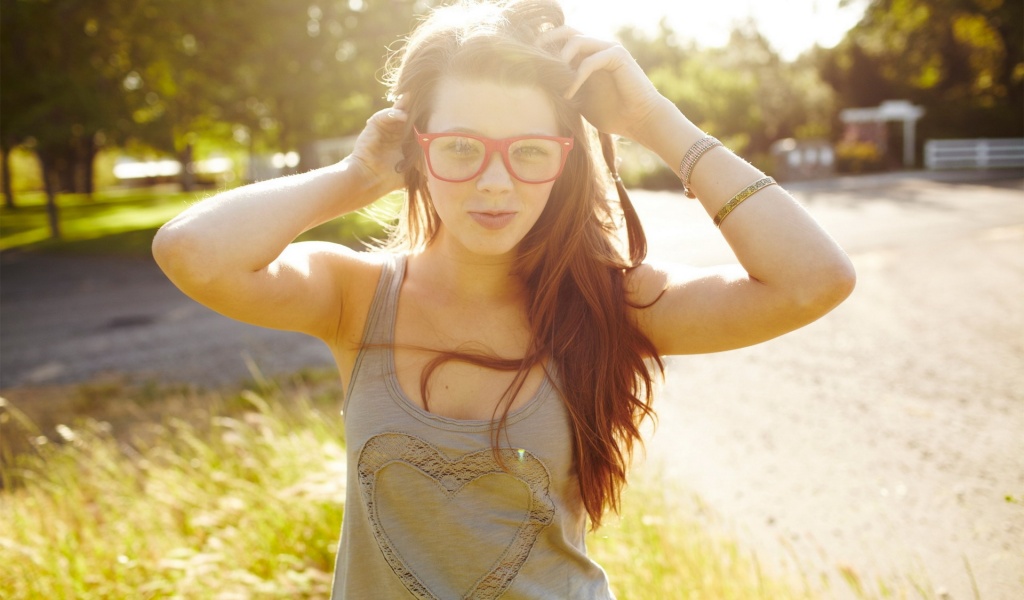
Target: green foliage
pixel 858 157
pixel 266 74
pixel 743 93
pixel 60 91
pixel 286 73
pixel 963 60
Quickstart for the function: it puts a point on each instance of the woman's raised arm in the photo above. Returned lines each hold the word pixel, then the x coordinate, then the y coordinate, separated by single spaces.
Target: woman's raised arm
pixel 234 252
pixel 791 272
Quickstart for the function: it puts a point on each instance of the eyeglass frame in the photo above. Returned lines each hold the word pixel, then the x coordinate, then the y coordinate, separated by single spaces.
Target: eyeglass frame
pixel 491 146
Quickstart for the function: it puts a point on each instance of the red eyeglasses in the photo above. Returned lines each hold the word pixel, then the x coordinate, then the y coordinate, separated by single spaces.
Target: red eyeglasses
pixel 458 157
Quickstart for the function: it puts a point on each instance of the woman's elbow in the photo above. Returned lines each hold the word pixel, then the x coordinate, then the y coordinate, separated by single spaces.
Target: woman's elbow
pixel 163 247
pixel 848 279
pixel 166 247
pixel 830 287
pixel 178 255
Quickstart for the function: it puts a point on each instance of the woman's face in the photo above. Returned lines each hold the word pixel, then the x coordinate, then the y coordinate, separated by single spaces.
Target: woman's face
pixel 490 214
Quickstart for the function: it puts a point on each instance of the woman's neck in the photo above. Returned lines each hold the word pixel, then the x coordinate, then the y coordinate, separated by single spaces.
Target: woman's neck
pixel 465 277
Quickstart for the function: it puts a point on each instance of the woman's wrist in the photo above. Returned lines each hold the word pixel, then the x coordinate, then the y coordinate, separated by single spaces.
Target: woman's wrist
pixel 668 133
pixel 357 184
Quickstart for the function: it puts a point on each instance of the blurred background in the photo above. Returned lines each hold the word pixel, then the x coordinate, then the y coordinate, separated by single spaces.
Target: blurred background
pixel 109 94
pixel 876 452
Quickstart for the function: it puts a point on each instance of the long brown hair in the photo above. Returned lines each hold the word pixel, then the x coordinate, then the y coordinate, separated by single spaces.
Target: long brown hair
pixel 573 261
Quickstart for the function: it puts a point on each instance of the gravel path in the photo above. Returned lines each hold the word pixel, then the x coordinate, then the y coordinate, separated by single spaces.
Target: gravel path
pixel 883 439
pixel 68 319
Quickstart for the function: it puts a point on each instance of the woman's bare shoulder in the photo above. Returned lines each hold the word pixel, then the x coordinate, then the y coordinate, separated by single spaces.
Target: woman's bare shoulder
pixel 347 266
pixel 360 271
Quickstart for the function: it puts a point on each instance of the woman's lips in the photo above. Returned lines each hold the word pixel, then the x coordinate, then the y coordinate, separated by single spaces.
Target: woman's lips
pixel 492 220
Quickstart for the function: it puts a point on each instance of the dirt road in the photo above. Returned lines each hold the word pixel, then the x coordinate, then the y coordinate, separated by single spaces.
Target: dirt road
pixel 887 438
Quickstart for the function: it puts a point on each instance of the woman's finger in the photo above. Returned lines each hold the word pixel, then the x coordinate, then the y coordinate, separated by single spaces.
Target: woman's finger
pixel 397 115
pixel 582 45
pixel 610 59
pixel 574 43
pixel 388 118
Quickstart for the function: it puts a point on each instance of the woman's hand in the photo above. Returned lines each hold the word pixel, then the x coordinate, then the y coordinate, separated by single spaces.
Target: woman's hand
pixel 378 149
pixel 615 94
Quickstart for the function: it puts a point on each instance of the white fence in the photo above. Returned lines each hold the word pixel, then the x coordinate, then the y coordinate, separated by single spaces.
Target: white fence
pixel 974 154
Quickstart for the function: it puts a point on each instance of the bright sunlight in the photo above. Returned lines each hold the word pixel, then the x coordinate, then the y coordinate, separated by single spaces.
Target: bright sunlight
pixel 791 26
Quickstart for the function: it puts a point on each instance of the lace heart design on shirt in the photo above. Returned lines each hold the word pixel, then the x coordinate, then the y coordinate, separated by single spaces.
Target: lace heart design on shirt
pixel 451 477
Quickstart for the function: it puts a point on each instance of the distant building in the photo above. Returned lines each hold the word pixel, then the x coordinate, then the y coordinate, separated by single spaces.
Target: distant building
pixel 209 172
pixel 315 155
pixel 869 125
pixel 803 159
pixel 332 150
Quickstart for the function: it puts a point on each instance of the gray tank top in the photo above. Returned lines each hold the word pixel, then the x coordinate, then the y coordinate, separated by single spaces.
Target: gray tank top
pixel 429 513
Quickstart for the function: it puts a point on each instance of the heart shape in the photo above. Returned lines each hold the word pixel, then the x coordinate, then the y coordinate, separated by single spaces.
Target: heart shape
pixel 452 477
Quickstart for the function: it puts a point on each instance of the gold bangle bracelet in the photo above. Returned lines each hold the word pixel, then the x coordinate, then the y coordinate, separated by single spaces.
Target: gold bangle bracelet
pixel 731 205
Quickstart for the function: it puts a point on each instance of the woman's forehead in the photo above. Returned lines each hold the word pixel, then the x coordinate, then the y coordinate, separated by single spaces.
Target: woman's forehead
pixel 492 109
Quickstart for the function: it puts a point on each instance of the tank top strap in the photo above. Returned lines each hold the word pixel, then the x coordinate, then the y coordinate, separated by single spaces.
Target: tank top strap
pixel 380 320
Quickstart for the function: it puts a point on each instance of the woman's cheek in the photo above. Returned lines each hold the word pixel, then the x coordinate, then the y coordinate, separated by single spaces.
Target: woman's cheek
pixel 444 195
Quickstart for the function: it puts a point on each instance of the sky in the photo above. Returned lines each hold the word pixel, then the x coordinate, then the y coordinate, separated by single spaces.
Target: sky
pixel 791 26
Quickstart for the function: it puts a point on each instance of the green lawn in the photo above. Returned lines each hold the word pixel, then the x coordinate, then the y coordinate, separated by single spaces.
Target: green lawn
pixel 123 222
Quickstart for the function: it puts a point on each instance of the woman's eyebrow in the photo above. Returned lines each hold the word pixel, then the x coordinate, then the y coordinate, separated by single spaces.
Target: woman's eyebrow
pixel 470 131
pixel 463 130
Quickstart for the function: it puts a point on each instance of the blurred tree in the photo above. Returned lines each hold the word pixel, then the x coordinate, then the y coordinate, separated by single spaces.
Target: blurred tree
pixel 963 60
pixel 62 87
pixel 743 92
pixel 81 73
pixel 281 74
pixel 309 71
pixel 13 129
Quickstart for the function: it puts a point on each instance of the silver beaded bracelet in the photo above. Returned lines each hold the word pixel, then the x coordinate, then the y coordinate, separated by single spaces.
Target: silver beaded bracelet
pixel 690 161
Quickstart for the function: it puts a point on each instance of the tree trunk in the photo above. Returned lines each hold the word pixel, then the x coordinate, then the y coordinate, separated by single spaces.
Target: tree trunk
pixel 51 182
pixel 62 165
pixel 5 159
pixel 88 158
pixel 251 175
pixel 188 175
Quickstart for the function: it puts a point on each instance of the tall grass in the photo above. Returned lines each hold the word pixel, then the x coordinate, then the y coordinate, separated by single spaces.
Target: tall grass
pixel 653 551
pixel 244 503
pixel 240 495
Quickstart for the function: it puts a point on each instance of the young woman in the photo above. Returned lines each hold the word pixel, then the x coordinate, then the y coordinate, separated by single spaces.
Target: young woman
pixel 499 355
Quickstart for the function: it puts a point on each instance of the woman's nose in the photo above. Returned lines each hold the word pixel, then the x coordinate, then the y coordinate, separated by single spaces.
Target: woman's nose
pixel 495 176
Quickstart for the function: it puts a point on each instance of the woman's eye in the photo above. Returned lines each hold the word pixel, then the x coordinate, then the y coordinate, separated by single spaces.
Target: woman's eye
pixel 462 146
pixel 531 151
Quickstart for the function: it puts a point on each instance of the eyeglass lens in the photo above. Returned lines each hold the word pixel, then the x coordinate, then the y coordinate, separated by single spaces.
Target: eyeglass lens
pixel 460 158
